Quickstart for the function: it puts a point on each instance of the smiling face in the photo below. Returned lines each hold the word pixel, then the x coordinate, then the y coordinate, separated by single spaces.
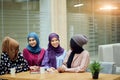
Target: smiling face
pixel 55 42
pixel 32 42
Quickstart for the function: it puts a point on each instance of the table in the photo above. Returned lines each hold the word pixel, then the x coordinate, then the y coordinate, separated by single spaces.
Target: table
pixel 58 76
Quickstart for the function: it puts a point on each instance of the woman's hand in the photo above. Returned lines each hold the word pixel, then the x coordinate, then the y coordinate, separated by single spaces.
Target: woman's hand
pixel 61 69
pixel 34 68
pixel 51 69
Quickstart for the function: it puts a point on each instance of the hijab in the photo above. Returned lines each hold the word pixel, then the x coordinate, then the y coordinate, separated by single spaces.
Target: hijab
pixel 52 51
pixel 76 44
pixel 11 47
pixel 36 49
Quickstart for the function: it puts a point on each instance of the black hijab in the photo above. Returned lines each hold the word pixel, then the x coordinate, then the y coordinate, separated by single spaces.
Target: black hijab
pixel 76 49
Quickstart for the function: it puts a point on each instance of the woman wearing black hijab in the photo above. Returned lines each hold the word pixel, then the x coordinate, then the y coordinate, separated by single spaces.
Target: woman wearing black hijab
pixel 77 59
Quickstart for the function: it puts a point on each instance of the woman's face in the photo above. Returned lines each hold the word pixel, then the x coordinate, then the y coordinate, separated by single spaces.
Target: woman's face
pixel 55 42
pixel 32 42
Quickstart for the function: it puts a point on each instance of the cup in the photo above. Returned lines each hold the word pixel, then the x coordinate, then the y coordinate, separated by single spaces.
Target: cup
pixel 12 71
pixel 42 69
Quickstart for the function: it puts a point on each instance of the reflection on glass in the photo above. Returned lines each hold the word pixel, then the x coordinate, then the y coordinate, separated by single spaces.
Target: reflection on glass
pixel 100 26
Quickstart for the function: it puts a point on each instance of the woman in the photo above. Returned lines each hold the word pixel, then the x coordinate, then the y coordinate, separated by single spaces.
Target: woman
pixel 33 53
pixel 77 59
pixel 11 57
pixel 55 53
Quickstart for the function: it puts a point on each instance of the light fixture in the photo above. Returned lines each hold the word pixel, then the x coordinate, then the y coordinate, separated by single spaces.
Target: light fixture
pixel 78 5
pixel 108 7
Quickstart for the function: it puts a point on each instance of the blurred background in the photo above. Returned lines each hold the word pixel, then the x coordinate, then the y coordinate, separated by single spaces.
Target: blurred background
pixel 99 20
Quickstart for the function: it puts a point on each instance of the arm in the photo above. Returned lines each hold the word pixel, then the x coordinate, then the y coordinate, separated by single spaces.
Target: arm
pixel 25 55
pixel 21 64
pixel 80 68
pixel 83 65
pixel 4 64
pixel 45 61
pixel 64 65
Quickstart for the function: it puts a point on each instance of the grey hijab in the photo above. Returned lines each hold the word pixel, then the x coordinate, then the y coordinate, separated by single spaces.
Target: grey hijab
pixel 80 39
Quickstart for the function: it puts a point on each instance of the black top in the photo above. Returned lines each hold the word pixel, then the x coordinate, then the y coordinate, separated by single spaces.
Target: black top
pixel 20 64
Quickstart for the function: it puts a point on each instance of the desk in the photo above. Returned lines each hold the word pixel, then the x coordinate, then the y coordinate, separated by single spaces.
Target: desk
pixel 58 76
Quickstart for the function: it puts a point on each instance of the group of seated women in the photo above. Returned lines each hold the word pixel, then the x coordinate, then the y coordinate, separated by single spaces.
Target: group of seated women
pixel 53 58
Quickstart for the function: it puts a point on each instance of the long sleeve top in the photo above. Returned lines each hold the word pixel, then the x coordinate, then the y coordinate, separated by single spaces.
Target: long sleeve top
pixel 59 60
pixel 80 62
pixel 33 59
pixel 20 64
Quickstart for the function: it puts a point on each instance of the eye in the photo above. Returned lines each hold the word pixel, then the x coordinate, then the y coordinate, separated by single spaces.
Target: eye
pixel 52 40
pixel 33 39
pixel 56 40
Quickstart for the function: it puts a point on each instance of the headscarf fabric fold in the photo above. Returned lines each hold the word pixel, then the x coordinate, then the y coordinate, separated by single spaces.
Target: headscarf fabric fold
pixel 52 51
pixel 11 47
pixel 76 44
pixel 36 49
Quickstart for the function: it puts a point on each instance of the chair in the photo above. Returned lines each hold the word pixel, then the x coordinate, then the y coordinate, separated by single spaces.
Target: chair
pixel 108 67
pixel 116 55
pixel 105 53
pixel 109 53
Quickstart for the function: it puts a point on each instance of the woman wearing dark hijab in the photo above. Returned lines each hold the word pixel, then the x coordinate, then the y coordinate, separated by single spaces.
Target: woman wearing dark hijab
pixel 11 57
pixel 55 54
pixel 77 59
pixel 33 53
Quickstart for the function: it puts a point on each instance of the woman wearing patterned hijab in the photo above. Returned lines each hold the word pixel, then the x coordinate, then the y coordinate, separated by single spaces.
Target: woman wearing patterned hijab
pixel 11 57
pixel 55 53
pixel 33 53
pixel 77 59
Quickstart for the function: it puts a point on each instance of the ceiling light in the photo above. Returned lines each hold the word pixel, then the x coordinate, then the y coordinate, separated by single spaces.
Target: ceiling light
pixel 109 7
pixel 78 5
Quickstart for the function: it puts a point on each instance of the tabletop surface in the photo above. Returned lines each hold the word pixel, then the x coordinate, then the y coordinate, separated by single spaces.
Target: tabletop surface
pixel 58 76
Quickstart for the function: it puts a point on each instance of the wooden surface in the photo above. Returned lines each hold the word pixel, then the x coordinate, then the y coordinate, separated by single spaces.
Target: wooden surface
pixel 58 76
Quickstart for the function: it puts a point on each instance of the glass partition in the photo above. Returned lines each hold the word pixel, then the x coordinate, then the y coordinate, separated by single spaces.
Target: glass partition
pixel 19 17
pixel 97 19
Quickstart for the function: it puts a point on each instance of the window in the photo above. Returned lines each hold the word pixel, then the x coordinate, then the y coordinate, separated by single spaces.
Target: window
pixel 19 17
pixel 101 27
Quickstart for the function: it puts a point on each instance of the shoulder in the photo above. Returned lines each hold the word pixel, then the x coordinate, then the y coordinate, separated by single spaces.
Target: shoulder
pixel 64 52
pixel 43 49
pixel 46 51
pixel 85 52
pixel 25 49
pixel 3 55
pixel 68 52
